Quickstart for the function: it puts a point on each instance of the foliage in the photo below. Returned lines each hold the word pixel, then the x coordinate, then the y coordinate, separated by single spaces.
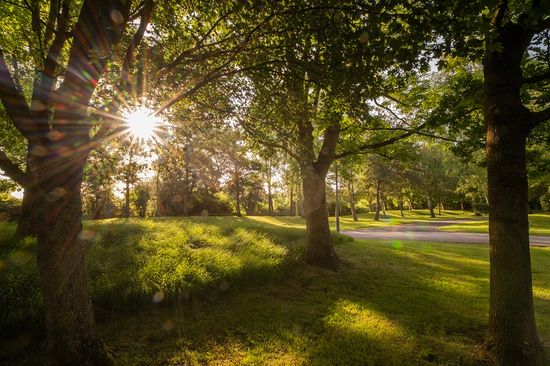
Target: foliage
pixel 9 207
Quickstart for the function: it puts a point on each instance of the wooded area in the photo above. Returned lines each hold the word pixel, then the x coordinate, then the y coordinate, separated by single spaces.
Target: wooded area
pixel 312 109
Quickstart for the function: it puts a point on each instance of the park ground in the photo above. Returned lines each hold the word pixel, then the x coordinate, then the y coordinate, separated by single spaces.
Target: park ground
pixel 233 291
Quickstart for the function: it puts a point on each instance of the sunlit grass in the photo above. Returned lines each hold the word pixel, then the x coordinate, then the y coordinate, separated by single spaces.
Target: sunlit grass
pixel 539 224
pixel 234 293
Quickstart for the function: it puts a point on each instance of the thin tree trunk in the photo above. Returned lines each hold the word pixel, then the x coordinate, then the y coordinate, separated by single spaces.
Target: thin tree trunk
pixel 238 194
pixel 430 207
pixel 401 203
pixel 439 207
pixel 352 200
pixel 377 213
pixel 319 249
pixel 337 200
pixel 384 206
pixel 300 207
pixel 292 202
pixel 187 182
pixel 411 205
pixel 158 211
pixel 269 194
pixel 127 186
pixel 127 198
pixel 98 209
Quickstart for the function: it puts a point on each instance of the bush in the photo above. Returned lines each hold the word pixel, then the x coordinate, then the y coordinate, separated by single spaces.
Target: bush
pixel 545 201
pixel 10 207
pixel 481 209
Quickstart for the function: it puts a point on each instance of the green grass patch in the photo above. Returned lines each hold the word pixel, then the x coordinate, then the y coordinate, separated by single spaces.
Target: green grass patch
pixel 392 303
pixel 131 262
pixel 539 224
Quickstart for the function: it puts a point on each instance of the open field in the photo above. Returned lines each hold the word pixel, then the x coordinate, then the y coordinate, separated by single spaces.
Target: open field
pixel 232 291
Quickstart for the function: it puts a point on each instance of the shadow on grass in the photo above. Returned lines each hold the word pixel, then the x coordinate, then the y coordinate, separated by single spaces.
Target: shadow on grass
pixel 389 305
pixel 381 309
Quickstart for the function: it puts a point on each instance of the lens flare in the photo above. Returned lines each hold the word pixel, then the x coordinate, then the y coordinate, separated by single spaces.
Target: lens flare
pixel 142 123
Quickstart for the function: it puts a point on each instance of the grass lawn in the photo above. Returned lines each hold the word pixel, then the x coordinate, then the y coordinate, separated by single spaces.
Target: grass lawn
pixel 539 224
pixel 228 291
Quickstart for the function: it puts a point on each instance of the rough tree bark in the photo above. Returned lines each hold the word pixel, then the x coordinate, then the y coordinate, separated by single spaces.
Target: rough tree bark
pixel 56 128
pixel 319 249
pixel 28 220
pixel 72 333
pixel 512 336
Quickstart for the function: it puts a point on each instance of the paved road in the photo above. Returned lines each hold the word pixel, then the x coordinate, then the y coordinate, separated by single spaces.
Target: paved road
pixel 429 231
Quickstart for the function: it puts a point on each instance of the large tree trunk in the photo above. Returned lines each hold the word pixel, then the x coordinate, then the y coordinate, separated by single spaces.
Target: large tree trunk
pixel 512 330
pixel 72 333
pixel 28 220
pixel 27 223
pixel 319 249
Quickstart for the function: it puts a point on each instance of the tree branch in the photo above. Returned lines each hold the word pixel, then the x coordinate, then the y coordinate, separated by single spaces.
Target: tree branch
pixel 13 100
pixel 536 78
pixel 499 14
pixel 539 117
pixel 328 148
pixel 379 144
pixel 146 13
pixel 13 171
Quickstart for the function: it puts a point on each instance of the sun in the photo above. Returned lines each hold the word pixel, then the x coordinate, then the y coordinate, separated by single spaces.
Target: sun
pixel 142 123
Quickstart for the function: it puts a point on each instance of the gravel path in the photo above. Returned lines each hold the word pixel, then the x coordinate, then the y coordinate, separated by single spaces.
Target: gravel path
pixel 429 231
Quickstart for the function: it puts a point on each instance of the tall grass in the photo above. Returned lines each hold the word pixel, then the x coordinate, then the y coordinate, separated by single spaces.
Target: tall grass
pixel 132 262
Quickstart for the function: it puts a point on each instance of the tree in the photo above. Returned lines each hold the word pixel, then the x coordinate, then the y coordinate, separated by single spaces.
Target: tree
pixel 57 129
pixel 309 80
pixel 516 42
